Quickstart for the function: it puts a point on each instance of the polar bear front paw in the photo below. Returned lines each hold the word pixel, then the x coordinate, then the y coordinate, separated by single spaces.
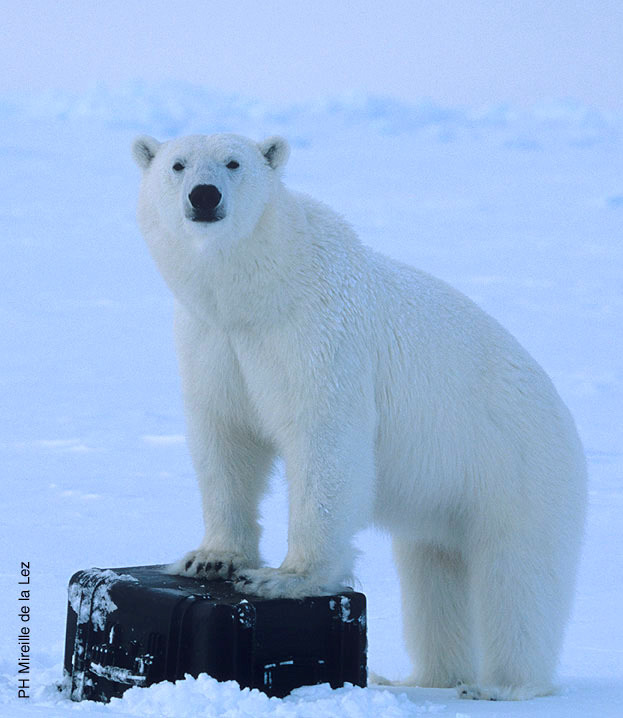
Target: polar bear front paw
pixel 275 583
pixel 205 563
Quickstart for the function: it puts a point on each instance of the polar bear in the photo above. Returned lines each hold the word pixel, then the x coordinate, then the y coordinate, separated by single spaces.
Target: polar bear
pixel 392 399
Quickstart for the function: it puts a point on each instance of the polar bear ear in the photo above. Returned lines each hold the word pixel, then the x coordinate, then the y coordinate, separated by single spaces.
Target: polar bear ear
pixel 144 150
pixel 276 150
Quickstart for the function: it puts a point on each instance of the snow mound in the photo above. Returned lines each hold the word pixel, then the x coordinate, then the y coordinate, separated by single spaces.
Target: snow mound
pixel 204 697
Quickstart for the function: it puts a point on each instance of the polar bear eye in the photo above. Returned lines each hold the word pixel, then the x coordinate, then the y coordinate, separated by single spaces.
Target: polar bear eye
pixel 233 165
pixel 178 166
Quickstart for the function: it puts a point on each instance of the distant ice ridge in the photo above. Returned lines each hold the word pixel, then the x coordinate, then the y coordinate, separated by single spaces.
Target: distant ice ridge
pixel 172 108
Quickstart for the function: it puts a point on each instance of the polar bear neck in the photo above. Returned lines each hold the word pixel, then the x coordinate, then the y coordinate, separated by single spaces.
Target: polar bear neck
pixel 259 279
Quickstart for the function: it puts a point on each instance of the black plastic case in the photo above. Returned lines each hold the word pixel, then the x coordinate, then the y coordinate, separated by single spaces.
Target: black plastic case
pixel 137 626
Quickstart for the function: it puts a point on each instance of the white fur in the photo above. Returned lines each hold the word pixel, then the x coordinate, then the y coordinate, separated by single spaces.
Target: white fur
pixel 391 397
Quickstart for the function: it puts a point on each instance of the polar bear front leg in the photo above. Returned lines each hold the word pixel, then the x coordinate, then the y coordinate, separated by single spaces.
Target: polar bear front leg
pixel 231 462
pixel 330 477
pixel 232 467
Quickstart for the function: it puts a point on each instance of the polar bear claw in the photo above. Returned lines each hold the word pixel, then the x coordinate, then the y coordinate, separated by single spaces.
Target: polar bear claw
pixel 208 564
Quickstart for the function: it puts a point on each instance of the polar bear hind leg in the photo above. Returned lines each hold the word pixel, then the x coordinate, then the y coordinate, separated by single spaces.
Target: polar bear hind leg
pixel 491 625
pixel 436 614
pixel 521 598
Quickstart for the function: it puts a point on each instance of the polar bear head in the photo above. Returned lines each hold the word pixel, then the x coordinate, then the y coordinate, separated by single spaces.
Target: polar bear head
pixel 212 186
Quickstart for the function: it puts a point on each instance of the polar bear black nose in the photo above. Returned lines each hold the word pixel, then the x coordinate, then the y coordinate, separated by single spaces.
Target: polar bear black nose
pixel 204 197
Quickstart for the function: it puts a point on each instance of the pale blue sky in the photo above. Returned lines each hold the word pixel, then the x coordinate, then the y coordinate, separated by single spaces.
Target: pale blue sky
pixel 469 52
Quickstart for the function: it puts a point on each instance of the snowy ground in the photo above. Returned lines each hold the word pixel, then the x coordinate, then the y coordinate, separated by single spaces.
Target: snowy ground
pixel 523 211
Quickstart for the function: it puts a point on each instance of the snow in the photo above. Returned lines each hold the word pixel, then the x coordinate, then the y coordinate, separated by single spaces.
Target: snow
pixel 345 610
pixel 521 209
pixel 90 598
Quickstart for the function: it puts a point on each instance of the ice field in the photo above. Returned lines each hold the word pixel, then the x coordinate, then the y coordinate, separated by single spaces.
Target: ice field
pixel 522 210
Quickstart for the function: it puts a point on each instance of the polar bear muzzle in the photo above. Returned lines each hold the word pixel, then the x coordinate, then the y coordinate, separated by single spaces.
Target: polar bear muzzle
pixel 205 201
